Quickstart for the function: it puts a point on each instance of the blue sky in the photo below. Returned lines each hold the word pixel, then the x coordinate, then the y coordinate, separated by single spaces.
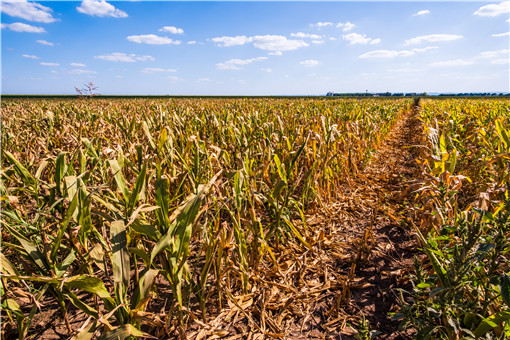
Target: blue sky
pixel 254 48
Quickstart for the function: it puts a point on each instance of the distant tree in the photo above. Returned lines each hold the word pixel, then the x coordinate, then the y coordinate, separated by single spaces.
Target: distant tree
pixel 89 90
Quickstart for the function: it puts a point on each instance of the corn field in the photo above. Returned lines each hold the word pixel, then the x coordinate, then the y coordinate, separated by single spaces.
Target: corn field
pixel 152 216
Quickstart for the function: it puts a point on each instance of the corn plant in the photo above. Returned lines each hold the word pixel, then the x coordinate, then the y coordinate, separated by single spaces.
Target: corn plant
pixel 465 293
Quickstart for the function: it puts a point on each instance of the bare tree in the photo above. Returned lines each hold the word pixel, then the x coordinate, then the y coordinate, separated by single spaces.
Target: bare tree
pixel 89 90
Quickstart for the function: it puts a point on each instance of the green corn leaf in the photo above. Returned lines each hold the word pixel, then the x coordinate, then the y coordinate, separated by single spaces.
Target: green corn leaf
pixel 148 134
pixel 137 189
pixel 119 178
pixel 141 253
pixel 22 172
pixel 164 242
pixel 295 158
pixel 163 137
pixel 147 277
pixel 13 306
pixel 90 151
pixel 162 200
pixel 84 216
pixel 280 169
pixel 238 183
pixel 503 134
pixel 297 233
pixel 145 229
pixel 440 271
pixel 183 229
pixel 63 228
pixel 6 266
pixel 82 305
pixel 59 171
pixel 31 250
pixel 120 259
pixel 62 268
pixel 491 322
pixel 86 283
pixel 89 284
pixel 277 189
pixel 452 160
pixel 185 218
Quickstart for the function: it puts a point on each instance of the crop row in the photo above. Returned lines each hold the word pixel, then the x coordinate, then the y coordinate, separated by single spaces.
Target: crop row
pixel 462 291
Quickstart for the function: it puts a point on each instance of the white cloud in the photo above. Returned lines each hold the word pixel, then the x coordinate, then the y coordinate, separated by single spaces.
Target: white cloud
pixel 101 9
pixel 263 42
pixel 232 41
pixel 452 63
pixel 277 43
pixel 386 54
pixel 20 27
pixel 309 63
pixel 50 64
pixel 425 49
pixel 44 42
pixel 346 27
pixel 235 64
pixel 192 42
pixel 432 38
pixel 322 24
pixel 389 54
pixel 493 54
pixel 158 70
pixel 31 56
pixel 78 71
pixel 505 34
pixel 422 12
pixel 405 70
pixel 306 35
pixel 317 39
pixel 277 53
pixel 356 38
pixel 174 78
pixel 77 65
pixel 493 10
pixel 31 11
pixel 172 29
pixel 501 61
pixel 123 57
pixel 152 39
pixel 203 80
pixel 268 70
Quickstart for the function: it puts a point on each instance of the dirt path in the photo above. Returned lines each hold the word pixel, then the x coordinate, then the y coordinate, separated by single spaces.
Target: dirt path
pixel 367 226
pixel 390 248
